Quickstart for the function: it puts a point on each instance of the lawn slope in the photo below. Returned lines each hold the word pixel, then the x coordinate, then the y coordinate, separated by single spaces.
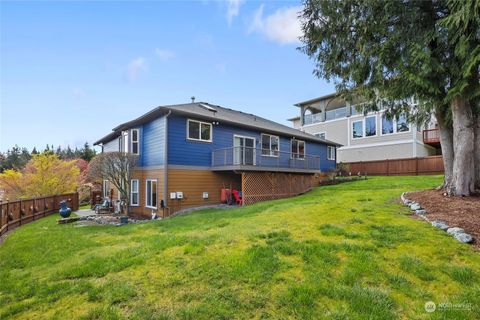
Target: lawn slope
pixel 344 252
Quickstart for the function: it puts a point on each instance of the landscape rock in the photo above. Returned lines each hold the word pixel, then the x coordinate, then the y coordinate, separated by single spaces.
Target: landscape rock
pixel 463 237
pixel 415 206
pixel 455 230
pixel 440 224
pixel 421 211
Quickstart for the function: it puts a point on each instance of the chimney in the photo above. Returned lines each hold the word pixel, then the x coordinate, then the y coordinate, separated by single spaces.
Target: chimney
pixel 193 99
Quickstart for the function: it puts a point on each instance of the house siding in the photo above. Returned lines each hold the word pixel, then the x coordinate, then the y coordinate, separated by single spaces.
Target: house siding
pixel 111 146
pixel 182 151
pixel 152 145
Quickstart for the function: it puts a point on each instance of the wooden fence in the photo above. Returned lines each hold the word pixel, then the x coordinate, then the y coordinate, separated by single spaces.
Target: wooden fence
pixel 397 167
pixel 16 213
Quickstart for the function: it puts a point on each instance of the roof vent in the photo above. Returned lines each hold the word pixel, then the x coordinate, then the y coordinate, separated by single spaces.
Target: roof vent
pixel 209 108
pixel 193 99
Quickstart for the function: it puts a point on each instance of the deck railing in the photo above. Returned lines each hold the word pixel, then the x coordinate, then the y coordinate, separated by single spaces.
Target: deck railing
pixel 263 158
pixel 431 136
pixel 16 213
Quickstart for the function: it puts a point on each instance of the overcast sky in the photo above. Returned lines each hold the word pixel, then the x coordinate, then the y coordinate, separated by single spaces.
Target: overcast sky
pixel 71 71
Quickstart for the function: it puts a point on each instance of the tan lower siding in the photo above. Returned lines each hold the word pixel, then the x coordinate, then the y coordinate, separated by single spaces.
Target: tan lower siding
pixel 193 183
pixel 142 176
pixel 262 186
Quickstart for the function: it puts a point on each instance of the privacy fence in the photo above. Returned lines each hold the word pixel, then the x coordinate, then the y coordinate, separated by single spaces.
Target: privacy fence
pixel 16 213
pixel 397 167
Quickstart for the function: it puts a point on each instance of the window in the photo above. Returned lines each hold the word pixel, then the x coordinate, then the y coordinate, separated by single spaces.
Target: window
pixel 134 192
pixel 298 149
pixel 106 188
pixel 402 124
pixel 200 131
pixel 399 125
pixel 321 135
pixel 387 125
pixel 330 153
pixel 135 141
pixel 270 145
pixel 357 127
pixel 151 193
pixel 370 126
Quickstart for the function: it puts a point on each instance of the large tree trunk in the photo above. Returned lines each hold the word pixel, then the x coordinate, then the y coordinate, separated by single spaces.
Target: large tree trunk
pixel 477 152
pixel 446 142
pixel 463 147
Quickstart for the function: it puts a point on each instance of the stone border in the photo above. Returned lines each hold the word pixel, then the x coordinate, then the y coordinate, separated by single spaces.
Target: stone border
pixel 458 233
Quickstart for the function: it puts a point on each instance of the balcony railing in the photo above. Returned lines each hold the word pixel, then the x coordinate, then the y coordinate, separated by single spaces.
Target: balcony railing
pixel 431 136
pixel 256 159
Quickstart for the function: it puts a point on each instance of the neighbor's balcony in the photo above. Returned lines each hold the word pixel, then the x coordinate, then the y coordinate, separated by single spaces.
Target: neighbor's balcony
pixel 256 159
pixel 431 137
pixel 336 113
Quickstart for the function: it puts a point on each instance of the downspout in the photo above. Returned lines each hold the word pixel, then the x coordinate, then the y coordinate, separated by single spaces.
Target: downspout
pixel 165 161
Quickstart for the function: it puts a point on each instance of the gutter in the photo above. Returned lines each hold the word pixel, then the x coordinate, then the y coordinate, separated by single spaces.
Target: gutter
pixel 165 161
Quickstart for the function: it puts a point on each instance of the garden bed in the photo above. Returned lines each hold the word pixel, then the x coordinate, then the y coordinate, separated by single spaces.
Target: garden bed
pixel 455 211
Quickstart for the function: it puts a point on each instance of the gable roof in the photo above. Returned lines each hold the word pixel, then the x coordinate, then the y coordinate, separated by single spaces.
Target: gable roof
pixel 212 112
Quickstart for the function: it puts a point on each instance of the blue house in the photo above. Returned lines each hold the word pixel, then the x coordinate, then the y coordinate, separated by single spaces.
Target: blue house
pixel 188 153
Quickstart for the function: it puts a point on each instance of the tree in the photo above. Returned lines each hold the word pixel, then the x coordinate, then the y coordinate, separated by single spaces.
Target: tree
pixel 115 167
pixel 45 174
pixel 87 153
pixel 389 51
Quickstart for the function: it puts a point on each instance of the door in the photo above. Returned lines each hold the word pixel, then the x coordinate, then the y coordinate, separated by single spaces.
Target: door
pixel 244 151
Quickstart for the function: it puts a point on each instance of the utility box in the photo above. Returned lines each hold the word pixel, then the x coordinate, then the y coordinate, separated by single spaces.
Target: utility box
pixel 205 195
pixel 173 195
pixel 179 195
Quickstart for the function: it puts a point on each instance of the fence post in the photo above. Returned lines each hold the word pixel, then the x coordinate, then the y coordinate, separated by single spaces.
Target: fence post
pixel 20 211
pixel 416 166
pixel 388 167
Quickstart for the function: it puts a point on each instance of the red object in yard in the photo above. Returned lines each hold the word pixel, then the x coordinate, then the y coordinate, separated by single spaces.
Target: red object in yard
pixel 237 196
pixel 225 195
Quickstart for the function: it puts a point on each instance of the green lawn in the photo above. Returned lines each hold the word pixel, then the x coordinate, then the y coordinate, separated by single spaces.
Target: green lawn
pixel 348 251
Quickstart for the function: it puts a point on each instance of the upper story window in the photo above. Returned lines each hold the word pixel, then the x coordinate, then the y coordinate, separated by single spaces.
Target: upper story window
pixel 322 135
pixel 270 145
pixel 135 141
pixel 366 127
pixel 199 131
pixel 330 153
pixel 298 149
pixel 357 129
pixel 395 125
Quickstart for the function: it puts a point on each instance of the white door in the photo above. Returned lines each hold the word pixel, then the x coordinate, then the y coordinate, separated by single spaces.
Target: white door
pixel 243 151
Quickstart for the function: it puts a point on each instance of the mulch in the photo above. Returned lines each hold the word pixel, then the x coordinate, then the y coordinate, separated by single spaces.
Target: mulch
pixel 463 212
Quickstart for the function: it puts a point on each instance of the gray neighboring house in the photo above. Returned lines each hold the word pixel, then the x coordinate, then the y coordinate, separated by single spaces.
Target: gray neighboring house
pixel 365 137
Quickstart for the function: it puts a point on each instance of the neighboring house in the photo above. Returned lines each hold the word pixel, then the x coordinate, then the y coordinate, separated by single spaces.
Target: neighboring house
pixel 189 152
pixel 365 137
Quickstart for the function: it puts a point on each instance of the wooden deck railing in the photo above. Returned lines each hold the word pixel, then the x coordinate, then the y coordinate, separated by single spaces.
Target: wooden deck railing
pixel 431 136
pixel 16 213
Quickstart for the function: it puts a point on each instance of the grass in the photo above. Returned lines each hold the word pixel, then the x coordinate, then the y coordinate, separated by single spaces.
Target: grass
pixel 348 251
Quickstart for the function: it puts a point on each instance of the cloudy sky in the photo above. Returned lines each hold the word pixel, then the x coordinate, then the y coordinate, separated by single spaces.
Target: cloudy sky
pixel 71 71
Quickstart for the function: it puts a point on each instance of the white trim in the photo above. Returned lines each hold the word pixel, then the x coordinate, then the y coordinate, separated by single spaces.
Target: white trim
pixel 270 146
pixel 137 142
pixel 322 122
pixel 137 192
pixel 320 132
pixel 200 130
pixel 125 141
pixel 254 147
pixel 328 153
pixel 146 197
pixel 389 143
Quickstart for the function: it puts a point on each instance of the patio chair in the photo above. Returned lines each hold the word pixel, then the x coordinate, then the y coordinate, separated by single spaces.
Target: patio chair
pixel 105 207
pixel 238 197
